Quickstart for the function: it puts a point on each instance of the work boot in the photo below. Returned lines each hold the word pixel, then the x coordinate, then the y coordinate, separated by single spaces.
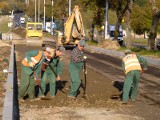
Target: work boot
pixel 72 97
pixel 42 96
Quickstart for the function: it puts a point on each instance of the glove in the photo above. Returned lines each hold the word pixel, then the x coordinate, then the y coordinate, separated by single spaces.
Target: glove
pixel 85 71
pixel 31 64
pixel 144 69
pixel 35 76
pixel 58 78
pixel 38 81
pixel 84 57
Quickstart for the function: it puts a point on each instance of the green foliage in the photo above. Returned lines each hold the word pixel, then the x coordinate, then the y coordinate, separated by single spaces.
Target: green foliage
pixel 141 22
pixel 158 3
pixel 98 9
pixel 90 42
pixel 112 18
pixel 141 3
pixel 4 7
pixel 4 24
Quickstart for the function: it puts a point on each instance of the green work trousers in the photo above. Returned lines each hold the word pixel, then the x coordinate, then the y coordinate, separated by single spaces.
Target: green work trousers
pixel 27 85
pixel 50 76
pixel 132 80
pixel 75 81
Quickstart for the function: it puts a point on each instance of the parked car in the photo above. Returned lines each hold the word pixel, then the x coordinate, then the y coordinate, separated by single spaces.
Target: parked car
pixel 158 44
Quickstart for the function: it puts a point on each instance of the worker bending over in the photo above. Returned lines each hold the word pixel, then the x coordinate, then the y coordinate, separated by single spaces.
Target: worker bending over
pixel 133 66
pixel 51 70
pixel 31 68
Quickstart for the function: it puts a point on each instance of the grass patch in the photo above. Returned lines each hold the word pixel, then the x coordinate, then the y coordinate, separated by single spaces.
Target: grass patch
pixel 90 42
pixel 4 24
pixel 143 52
pixel 140 41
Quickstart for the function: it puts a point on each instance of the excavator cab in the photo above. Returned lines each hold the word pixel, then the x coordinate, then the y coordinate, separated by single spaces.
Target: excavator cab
pixel 34 34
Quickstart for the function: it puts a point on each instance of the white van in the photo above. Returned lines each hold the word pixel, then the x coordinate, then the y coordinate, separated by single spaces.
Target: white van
pixel 22 20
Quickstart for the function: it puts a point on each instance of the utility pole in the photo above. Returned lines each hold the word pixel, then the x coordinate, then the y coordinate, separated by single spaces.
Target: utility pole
pixel 39 10
pixel 27 2
pixel 44 17
pixel 106 22
pixel 35 11
pixel 52 19
pixel 69 10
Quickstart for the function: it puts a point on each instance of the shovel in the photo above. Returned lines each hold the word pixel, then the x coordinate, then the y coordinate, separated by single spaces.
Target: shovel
pixel 85 80
pixel 38 82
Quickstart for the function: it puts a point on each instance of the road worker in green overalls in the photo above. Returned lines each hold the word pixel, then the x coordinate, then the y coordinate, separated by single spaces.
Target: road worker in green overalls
pixel 31 68
pixel 75 67
pixel 133 66
pixel 52 70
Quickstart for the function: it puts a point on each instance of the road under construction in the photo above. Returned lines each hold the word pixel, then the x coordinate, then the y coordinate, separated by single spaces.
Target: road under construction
pixel 105 79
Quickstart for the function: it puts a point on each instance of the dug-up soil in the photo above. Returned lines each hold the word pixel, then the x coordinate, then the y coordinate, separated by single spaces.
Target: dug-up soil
pixel 97 106
pixel 109 44
pixel 4 62
pixel 20 30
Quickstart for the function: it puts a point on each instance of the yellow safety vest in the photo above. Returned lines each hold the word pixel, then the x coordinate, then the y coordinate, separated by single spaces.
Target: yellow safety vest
pixel 131 63
pixel 34 59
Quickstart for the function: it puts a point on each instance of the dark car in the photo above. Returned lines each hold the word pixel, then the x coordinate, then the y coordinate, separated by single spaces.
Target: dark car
pixel 158 44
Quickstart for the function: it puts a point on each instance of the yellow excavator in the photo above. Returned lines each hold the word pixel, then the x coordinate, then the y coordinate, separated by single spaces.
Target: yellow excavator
pixel 34 34
pixel 73 29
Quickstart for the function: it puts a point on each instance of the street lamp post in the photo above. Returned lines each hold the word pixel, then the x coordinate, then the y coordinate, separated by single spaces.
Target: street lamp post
pixel 35 11
pixel 52 19
pixel 69 9
pixel 39 10
pixel 44 17
pixel 106 22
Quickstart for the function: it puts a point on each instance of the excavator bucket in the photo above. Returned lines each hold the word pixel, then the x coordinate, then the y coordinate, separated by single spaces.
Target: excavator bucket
pixel 34 34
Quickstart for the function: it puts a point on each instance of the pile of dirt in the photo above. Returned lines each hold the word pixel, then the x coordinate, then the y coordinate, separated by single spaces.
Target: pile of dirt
pixel 109 44
pixel 20 31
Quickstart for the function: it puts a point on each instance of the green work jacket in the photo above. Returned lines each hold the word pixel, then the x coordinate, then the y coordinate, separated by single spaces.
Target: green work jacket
pixel 37 67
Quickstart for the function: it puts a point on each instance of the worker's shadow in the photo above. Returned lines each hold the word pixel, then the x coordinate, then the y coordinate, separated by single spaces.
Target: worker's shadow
pixel 59 87
pixel 119 86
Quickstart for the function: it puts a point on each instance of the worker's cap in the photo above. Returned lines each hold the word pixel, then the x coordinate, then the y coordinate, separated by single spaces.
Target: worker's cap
pixel 62 49
pixel 82 43
pixel 48 49
pixel 128 51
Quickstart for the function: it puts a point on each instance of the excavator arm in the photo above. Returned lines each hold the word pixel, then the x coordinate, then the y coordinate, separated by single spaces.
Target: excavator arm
pixel 74 26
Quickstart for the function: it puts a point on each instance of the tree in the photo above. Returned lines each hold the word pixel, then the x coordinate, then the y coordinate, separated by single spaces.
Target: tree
pixel 123 10
pixel 140 23
pixel 4 7
pixel 155 21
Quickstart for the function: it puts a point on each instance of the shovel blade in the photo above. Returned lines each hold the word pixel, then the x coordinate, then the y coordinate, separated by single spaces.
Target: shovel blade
pixel 46 98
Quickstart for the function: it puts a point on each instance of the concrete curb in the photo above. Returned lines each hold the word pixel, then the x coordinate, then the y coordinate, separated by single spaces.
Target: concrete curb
pixel 151 61
pixel 8 101
pixel 11 107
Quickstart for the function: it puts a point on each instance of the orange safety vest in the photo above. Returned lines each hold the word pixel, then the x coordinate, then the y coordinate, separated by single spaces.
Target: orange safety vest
pixel 131 63
pixel 48 58
pixel 34 59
